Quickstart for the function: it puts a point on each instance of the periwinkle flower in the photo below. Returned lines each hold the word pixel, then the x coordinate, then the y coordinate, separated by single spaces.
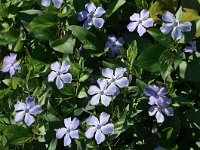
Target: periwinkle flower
pixel 70 131
pixel 140 21
pixel 27 109
pixel 159 103
pixel 60 73
pixel 114 45
pixel 56 3
pixel 100 127
pixel 192 48
pixel 171 23
pixel 92 16
pixel 101 92
pixel 116 78
pixel 10 65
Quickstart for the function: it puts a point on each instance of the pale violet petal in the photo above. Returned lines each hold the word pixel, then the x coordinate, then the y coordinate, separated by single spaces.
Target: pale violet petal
pixel 74 134
pixel 147 23
pixel 135 17
pixel 74 124
pixel 35 110
pixel 166 27
pixel 119 72
pixel 30 102
pixel 29 119
pixel 144 14
pixel 185 27
pixel 168 17
pixel 12 71
pixel 90 7
pixel 64 67
pixel 87 24
pixel 111 90
pixel 99 137
pixel 55 66
pixel 151 90
pixel 82 15
pixel 108 73
pixel 93 89
pixel 67 140
pixel 67 122
pixel 59 83
pixel 152 100
pixel 46 3
pixel 92 120
pixel 20 106
pixel 60 133
pixel 98 22
pixel 108 128
pixel 102 83
pixel 66 78
pixel 103 118
pixel 95 99
pixel 141 30
pixel 122 82
pixel 105 100
pixel 57 3
pixel 19 116
pixel 90 132
pixel 13 57
pixel 162 91
pixel 132 26
pixel 99 12
pixel 169 111
pixel 52 76
pixel 16 66
pixel 120 41
pixel 159 117
pixel 152 110
pixel 176 33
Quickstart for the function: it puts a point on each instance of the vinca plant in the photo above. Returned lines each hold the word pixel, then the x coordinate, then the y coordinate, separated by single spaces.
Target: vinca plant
pixel 99 74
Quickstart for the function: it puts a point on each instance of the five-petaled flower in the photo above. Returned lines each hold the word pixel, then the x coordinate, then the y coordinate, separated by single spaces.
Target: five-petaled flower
pixel 114 45
pixel 92 16
pixel 116 78
pixel 141 21
pixel 192 48
pixel 10 65
pixel 103 92
pixel 60 73
pixel 100 127
pixel 159 103
pixel 70 131
pixel 56 3
pixel 171 23
pixel 27 109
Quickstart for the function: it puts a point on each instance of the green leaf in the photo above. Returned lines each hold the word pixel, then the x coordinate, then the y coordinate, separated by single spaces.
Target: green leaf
pixel 161 38
pixel 193 118
pixel 179 14
pixel 17 135
pixel 114 6
pixel 132 52
pixel 149 58
pixel 87 38
pixel 64 45
pixel 167 132
pixel 53 144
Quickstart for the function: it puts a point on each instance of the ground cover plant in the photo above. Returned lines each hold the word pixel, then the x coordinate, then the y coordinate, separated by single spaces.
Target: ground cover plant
pixel 99 74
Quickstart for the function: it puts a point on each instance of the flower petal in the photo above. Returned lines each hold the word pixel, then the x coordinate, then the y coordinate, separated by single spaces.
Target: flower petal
pixel 147 23
pixel 108 73
pixel 35 110
pixel 111 90
pixel 93 90
pixel 12 71
pixel 46 3
pixel 141 30
pixel 135 17
pixel 55 66
pixel 13 57
pixel 60 133
pixel 112 39
pixel 105 100
pixel 152 100
pixel 95 99
pixel 120 41
pixel 64 67
pixel 162 91
pixel 188 49
pixel 102 83
pixel 176 33
pixel 103 118
pixel 152 110
pixel 6 68
pixel 92 120
pixel 30 102
pixel 20 106
pixel 90 132
pixel 90 7
pixel 67 122
pixel 29 119
pixel 132 26
pixel 144 14
pixel 52 76
pixel 66 78
pixel 108 128
pixel 119 72
pixel 59 83
pixel 159 117
pixel 67 140
pixel 57 3
pixel 169 111
pixel 87 24
pixel 19 116
pixel 168 17
pixel 99 12
pixel 16 66
pixel 82 15
pixel 99 137
pixel 74 134
pixel 98 22
pixel 122 82
pixel 166 27
pixel 74 124
pixel 185 27
pixel 151 90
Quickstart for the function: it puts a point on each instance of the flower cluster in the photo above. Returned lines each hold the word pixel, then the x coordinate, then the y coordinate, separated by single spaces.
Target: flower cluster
pixel 108 87
pixel 159 103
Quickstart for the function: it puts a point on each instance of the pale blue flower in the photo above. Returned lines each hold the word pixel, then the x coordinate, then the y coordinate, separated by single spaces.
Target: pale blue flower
pixel 192 48
pixel 99 127
pixel 159 103
pixel 69 131
pixel 60 73
pixel 114 45
pixel 102 92
pixel 27 109
pixel 56 3
pixel 171 23
pixel 10 65
pixel 140 21
pixel 92 16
